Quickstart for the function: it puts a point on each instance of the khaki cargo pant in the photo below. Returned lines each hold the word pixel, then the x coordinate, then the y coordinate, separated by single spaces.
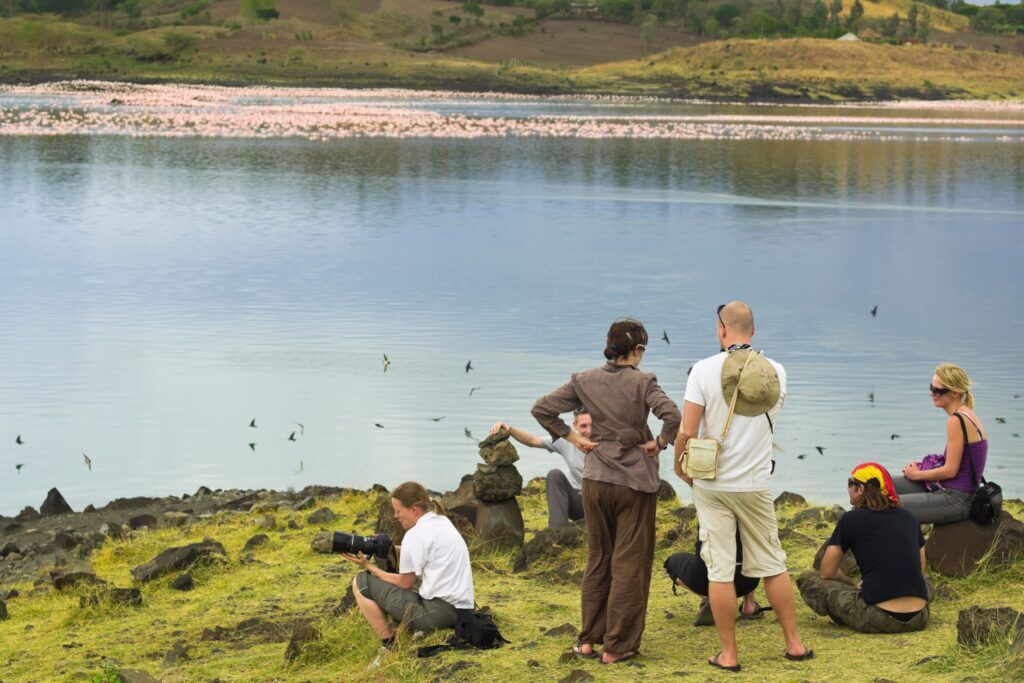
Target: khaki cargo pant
pixel 845 606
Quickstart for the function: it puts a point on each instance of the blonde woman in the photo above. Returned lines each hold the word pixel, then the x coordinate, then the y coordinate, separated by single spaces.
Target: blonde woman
pixel 938 489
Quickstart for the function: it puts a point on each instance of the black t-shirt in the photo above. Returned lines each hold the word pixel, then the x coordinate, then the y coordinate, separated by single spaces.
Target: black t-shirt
pixel 887 545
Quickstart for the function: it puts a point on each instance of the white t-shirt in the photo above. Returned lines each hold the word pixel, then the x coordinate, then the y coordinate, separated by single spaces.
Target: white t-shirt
pixel 745 460
pixel 435 552
pixel 572 456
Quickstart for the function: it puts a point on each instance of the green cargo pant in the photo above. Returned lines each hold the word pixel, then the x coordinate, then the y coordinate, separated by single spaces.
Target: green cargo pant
pixel 845 606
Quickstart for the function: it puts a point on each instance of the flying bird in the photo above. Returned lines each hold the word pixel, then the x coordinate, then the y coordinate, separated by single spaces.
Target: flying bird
pixel 469 434
pixel 874 312
pixel 820 449
pixel 664 335
pixel 474 389
pixel 252 446
pixel 88 461
pixel 19 466
pixel 871 397
pixel 894 437
pixel 1016 395
pixel 469 366
pixel 1001 420
pixel 291 437
pixel 1016 436
pixel 386 362
pixel 801 456
pixel 298 470
pixel 378 425
pixel 438 419
pixel 302 428
pixel 253 423
pixel 18 440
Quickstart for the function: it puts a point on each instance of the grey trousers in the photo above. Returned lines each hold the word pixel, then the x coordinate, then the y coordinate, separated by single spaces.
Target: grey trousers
pixel 564 502
pixel 932 507
pixel 845 606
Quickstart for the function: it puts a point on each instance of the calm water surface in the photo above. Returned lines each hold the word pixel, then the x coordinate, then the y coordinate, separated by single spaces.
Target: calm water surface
pixel 158 294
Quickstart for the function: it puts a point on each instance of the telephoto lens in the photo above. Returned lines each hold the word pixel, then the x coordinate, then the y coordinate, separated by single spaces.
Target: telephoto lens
pixel 370 546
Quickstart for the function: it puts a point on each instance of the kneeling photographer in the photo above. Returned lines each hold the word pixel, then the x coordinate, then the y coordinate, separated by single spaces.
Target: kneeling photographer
pixel 432 550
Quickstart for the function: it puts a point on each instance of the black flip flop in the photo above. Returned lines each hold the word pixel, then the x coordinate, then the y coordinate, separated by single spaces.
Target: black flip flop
pixel 758 613
pixel 808 654
pixel 714 662
pixel 624 658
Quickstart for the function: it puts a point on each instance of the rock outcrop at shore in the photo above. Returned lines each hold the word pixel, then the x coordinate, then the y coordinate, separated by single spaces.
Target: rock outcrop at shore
pixel 957 549
pixel 174 559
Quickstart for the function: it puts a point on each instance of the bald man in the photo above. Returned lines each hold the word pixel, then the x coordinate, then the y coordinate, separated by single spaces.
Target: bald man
pixel 739 496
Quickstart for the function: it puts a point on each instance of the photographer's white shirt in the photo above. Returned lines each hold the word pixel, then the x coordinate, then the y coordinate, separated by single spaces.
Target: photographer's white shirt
pixel 435 551
pixel 745 459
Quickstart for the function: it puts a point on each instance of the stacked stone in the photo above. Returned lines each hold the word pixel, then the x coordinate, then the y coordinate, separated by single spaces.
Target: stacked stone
pixel 487 498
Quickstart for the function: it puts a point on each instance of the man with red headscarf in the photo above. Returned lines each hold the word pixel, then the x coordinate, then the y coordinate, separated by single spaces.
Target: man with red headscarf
pixel 888 547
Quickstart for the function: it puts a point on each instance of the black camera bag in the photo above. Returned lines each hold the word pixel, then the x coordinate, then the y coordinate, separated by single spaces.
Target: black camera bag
pixel 472 629
pixel 987 501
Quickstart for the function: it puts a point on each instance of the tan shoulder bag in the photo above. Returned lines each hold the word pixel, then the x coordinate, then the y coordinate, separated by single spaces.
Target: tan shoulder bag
pixel 700 459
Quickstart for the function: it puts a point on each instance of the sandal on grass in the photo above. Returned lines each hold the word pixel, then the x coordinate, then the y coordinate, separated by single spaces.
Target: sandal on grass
pixel 622 658
pixel 808 654
pixel 577 650
pixel 758 612
pixel 714 662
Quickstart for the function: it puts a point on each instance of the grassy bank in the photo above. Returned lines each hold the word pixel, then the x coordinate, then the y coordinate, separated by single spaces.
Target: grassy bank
pixel 49 637
pixel 42 49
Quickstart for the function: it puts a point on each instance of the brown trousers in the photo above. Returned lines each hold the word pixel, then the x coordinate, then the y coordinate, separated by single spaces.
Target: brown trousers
pixel 617 581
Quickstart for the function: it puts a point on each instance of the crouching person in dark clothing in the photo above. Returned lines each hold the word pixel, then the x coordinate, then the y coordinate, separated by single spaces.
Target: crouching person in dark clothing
pixel 887 543
pixel 433 551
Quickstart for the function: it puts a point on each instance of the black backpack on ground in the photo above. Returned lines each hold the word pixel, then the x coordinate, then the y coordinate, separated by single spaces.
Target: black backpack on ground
pixel 987 501
pixel 472 629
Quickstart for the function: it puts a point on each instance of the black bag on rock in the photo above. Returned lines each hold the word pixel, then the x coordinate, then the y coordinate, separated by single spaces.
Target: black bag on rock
pixel 987 501
pixel 472 629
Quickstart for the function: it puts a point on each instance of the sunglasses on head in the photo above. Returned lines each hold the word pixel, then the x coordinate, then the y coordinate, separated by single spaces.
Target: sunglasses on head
pixel 937 391
pixel 719 314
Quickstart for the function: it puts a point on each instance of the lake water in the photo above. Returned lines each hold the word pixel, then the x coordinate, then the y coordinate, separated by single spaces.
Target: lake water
pixel 160 289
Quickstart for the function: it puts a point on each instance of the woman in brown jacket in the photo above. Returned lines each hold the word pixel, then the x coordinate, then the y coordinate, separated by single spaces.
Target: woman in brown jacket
pixel 620 484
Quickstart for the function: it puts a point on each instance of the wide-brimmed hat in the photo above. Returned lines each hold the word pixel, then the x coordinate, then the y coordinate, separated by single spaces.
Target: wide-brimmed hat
pixel 758 381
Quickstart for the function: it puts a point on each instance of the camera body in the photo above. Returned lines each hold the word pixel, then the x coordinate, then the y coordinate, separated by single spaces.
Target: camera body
pixel 378 545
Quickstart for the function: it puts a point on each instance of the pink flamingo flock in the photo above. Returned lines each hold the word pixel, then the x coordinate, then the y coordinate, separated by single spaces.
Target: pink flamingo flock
pixel 98 108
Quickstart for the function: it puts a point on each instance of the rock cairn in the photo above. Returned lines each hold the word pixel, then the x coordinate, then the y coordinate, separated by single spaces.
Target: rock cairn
pixel 487 498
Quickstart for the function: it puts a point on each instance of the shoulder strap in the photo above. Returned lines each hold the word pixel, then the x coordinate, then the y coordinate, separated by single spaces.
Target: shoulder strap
pixel 967 451
pixel 735 395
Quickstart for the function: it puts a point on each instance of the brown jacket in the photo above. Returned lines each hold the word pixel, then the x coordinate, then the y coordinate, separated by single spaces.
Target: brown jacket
pixel 619 399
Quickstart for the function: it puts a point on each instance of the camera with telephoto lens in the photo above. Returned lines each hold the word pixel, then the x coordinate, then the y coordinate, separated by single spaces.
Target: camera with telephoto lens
pixel 378 545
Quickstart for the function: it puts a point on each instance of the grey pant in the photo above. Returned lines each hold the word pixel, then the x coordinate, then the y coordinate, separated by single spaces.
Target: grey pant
pixel 406 606
pixel 845 606
pixel 941 506
pixel 564 502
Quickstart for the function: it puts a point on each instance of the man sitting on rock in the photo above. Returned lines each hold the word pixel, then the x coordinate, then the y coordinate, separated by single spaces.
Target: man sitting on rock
pixel 887 543
pixel 565 497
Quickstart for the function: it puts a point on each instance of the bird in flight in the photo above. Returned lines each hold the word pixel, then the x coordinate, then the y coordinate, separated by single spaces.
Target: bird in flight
pixel 291 437
pixel 469 365
pixel 874 312
pixel 18 440
pixel 820 449
pixel 378 425
pixel 469 434
pixel 893 437
pixel 298 470
pixel 1016 436
pixel 438 419
pixel 252 446
pixel 664 335
pixel 801 456
pixel 474 389
pixel 88 461
pixel 1001 420
pixel 253 423
pixel 19 466
pixel 871 397
pixel 386 362
pixel 302 428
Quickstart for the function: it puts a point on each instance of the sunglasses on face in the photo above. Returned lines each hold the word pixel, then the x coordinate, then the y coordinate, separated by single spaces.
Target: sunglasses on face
pixel 719 314
pixel 851 483
pixel 937 391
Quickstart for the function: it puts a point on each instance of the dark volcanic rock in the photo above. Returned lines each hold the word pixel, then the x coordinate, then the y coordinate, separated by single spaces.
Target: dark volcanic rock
pixel 976 626
pixel 503 453
pixel 256 541
pixel 494 484
pixel 127 597
pixel 130 503
pixel 955 549
pixel 242 502
pixel 302 633
pixel 8 548
pixel 135 676
pixel 177 654
pixel 817 516
pixel 500 525
pixel 347 602
pixel 202 491
pixel 795 537
pixel 254 628
pixel 177 558
pixel 305 504
pixel 65 577
pixel 462 500
pixel 139 521
pixel 3 610
pixel 322 516
pixel 26 512
pixel 548 544
pixel 185 582
pixel 54 504
pixel 666 492
pixel 323 542
pixel 494 439
pixel 577 676
pixel 65 540
pixel 565 629
pixel 787 498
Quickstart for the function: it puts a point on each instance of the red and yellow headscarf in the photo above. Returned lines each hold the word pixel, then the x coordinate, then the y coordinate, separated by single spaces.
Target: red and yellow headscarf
pixel 866 471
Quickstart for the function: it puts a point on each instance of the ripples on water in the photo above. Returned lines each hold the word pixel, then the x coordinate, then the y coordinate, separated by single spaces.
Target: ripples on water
pixel 160 293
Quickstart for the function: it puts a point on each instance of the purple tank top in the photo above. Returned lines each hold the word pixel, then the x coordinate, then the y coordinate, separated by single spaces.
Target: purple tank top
pixel 978 452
